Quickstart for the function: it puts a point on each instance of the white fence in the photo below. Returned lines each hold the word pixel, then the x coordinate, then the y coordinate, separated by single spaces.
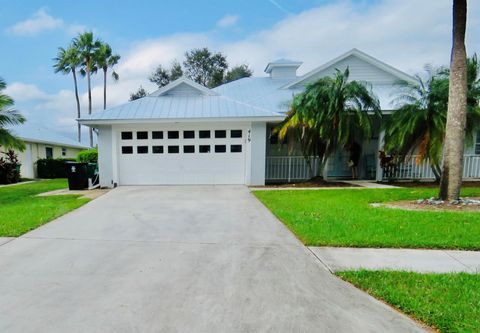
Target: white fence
pixel 410 169
pixel 294 168
pixel 289 168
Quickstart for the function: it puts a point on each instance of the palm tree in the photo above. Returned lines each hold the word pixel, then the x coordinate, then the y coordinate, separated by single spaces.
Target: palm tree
pixel 452 174
pixel 8 117
pixel 105 59
pixel 330 114
pixel 418 123
pixel 87 46
pixel 66 62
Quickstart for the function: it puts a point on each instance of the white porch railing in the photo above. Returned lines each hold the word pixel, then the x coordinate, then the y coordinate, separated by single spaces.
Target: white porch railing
pixel 409 169
pixel 289 168
pixel 294 168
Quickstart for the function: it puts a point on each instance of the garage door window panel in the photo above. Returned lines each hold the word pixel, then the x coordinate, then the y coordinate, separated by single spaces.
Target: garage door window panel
pixel 157 135
pixel 127 135
pixel 220 134
pixel 203 149
pixel 173 135
pixel 236 133
pixel 142 135
pixel 173 149
pixel 236 148
pixel 127 150
pixel 204 134
pixel 189 134
pixel 157 149
pixel 142 149
pixel 220 148
pixel 190 149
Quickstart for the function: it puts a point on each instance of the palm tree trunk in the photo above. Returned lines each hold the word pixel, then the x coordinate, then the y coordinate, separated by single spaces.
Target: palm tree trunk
pixel 104 88
pixel 451 181
pixel 79 127
pixel 90 131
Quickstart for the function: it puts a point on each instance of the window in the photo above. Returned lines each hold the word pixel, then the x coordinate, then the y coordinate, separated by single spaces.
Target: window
pixel 173 135
pixel 220 148
pixel 236 133
pixel 142 150
pixel 189 134
pixel 219 134
pixel 477 144
pixel 204 149
pixel 157 135
pixel 48 152
pixel 157 149
pixel 143 135
pixel 188 149
pixel 173 149
pixel 127 150
pixel 127 136
pixel 236 148
pixel 64 151
pixel 204 134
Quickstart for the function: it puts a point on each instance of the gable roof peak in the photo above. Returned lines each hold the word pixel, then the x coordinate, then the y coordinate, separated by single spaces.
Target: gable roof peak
pixel 201 90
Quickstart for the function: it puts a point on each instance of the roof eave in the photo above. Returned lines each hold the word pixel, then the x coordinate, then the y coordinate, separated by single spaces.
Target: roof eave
pixel 93 122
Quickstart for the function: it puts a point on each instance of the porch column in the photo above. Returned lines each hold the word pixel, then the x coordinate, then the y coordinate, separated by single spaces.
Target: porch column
pixel 381 142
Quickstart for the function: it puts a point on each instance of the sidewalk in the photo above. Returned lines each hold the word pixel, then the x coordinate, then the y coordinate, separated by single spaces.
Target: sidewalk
pixel 422 261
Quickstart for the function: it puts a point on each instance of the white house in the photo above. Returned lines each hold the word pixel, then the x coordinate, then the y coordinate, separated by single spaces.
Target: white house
pixel 41 142
pixel 185 133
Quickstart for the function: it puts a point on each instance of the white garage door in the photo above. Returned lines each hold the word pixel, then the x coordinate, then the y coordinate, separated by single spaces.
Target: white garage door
pixel 182 156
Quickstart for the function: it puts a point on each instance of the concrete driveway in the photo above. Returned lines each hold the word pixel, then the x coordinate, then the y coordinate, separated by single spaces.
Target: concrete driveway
pixel 177 259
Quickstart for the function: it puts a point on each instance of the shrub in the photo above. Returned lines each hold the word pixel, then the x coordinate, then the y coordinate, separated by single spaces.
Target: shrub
pixel 88 156
pixel 52 168
pixel 9 168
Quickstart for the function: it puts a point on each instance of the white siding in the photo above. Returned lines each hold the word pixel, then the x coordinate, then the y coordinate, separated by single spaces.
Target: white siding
pixel 360 70
pixel 256 171
pixel 105 156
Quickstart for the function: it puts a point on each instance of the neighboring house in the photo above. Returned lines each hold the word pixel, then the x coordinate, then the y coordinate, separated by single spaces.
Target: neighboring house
pixel 41 142
pixel 185 133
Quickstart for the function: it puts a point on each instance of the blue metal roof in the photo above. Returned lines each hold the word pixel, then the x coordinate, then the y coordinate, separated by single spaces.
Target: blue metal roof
pixel 32 132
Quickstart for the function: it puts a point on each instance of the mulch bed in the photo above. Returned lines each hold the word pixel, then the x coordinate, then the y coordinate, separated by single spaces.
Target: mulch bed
pixel 428 184
pixel 314 182
pixel 414 205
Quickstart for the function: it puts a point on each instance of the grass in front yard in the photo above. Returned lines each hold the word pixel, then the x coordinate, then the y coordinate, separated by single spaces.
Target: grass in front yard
pixel 345 218
pixel 21 210
pixel 448 302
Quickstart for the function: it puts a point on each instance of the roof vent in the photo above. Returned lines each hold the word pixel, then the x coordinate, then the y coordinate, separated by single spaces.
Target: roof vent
pixel 283 68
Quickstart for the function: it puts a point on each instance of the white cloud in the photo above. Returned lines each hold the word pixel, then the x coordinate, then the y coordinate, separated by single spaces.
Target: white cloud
pixel 40 22
pixel 404 34
pixel 227 21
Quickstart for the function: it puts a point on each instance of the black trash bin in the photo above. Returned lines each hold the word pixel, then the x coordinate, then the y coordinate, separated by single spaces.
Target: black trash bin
pixel 77 175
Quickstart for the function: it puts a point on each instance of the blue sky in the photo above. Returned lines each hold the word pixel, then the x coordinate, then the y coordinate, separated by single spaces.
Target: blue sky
pixel 406 34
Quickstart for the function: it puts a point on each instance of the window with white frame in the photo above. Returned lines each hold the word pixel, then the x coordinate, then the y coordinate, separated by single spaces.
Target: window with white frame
pixel 64 151
pixel 477 144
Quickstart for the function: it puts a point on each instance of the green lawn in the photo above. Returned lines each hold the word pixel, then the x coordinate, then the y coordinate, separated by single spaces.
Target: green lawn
pixel 345 218
pixel 21 210
pixel 448 302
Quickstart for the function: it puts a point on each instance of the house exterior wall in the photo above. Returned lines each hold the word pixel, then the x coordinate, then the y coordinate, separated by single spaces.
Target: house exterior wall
pixel 256 158
pixel 106 154
pixel 35 151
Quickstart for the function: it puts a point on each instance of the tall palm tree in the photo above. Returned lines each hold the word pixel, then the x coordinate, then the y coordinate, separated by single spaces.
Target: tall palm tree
pixel 9 116
pixel 66 62
pixel 330 114
pixel 87 46
pixel 105 59
pixel 418 123
pixel 452 174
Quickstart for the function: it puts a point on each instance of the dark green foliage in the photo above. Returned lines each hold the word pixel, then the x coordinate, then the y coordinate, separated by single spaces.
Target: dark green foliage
pixel 238 72
pixel 331 113
pixel 88 156
pixel 207 68
pixel 50 168
pixel 418 124
pixel 141 92
pixel 447 302
pixel 9 168
pixel 9 116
